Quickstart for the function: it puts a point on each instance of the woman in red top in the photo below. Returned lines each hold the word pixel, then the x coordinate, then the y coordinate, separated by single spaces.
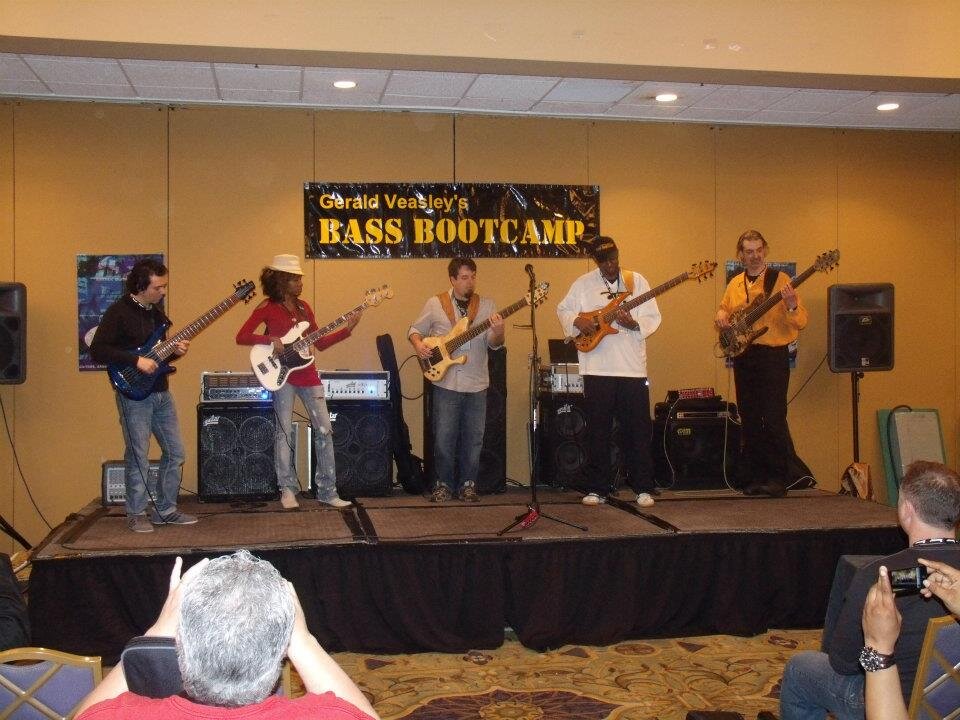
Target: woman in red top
pixel 282 283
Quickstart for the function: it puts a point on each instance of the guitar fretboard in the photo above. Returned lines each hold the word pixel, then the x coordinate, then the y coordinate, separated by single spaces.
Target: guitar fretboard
pixel 640 299
pixel 763 308
pixel 479 328
pixel 161 351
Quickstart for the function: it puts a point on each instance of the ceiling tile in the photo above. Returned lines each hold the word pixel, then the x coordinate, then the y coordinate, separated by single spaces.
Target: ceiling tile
pixel 13 68
pixel 817 100
pixel 509 105
pixel 318 84
pixel 259 96
pixel 687 93
pixel 186 94
pixel 23 87
pixel 71 90
pixel 268 78
pixel 74 70
pixel 571 108
pixel 714 114
pixel 170 75
pixel 429 84
pixel 735 97
pixel 590 91
pixel 658 111
pixel 511 87
pixel 907 101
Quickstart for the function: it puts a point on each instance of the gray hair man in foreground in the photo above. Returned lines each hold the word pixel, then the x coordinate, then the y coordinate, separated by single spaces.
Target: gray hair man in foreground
pixel 235 619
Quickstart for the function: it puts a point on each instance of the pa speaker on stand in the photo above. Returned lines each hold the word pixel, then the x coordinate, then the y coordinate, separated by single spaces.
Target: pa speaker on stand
pixel 861 327
pixel 13 333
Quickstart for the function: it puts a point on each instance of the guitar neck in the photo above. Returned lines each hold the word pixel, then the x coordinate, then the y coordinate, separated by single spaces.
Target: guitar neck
pixel 640 299
pixel 482 327
pixel 308 340
pixel 768 304
pixel 163 350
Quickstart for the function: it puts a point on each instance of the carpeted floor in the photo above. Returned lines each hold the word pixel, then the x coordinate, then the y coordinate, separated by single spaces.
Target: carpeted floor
pixel 632 680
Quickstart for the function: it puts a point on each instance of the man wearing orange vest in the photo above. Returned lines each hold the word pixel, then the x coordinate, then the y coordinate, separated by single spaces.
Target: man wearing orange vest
pixel 460 395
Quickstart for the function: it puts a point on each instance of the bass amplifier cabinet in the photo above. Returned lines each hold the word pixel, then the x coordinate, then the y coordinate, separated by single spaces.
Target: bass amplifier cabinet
pixel 362 447
pixel 563 442
pixel 492 474
pixel 691 440
pixel 235 452
pixel 113 488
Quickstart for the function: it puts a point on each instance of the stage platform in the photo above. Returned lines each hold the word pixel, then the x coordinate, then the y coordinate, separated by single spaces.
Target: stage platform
pixel 401 574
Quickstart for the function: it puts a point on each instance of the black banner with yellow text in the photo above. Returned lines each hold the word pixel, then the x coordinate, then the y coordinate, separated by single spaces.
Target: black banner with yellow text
pixel 444 220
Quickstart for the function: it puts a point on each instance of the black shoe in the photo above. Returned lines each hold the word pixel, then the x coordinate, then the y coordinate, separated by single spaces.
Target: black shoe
pixel 754 489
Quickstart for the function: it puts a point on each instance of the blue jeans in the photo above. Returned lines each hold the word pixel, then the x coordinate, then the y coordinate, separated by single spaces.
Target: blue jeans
pixel 325 477
pixel 459 420
pixel 811 688
pixel 155 414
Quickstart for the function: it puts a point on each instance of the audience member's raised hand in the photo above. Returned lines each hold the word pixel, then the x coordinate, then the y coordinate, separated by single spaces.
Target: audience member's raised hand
pixel 881 619
pixel 944 582
pixel 166 623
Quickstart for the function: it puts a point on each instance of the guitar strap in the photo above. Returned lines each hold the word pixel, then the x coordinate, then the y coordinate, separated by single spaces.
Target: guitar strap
pixel 446 302
pixel 628 281
pixel 769 280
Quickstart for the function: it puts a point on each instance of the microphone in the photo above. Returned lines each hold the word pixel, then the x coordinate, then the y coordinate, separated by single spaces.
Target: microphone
pixel 529 269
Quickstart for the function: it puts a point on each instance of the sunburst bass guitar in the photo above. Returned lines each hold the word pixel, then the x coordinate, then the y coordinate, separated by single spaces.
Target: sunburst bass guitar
pixel 606 315
pixel 740 334
pixel 440 360
pixel 273 367
pixel 135 384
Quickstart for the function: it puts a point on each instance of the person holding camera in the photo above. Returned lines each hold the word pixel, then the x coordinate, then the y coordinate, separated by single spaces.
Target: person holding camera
pixel 881 628
pixel 815 683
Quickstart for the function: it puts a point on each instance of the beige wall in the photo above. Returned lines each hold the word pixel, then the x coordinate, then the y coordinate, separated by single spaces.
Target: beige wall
pixel 220 191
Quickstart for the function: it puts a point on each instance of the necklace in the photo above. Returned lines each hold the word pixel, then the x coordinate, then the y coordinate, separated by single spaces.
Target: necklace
pixel 936 541
pixel 611 293
pixel 145 307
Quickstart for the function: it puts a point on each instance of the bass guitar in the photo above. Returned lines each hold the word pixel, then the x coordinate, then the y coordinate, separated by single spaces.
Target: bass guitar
pixel 134 384
pixel 605 316
pixel 436 366
pixel 737 337
pixel 272 367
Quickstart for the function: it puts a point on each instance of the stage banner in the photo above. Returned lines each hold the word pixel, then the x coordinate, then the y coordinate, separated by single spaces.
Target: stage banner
pixel 445 220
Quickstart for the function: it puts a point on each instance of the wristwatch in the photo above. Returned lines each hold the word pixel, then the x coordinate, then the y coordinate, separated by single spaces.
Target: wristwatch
pixel 871 660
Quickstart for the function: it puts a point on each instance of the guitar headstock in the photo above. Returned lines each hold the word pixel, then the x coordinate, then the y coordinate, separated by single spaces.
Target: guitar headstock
pixel 539 294
pixel 827 261
pixel 375 296
pixel 702 270
pixel 245 290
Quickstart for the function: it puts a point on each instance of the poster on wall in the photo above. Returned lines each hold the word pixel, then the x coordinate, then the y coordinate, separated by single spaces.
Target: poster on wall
pixel 444 220
pixel 99 283
pixel 735 267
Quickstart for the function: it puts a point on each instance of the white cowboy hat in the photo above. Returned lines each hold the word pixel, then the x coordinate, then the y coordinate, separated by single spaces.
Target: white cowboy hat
pixel 286 263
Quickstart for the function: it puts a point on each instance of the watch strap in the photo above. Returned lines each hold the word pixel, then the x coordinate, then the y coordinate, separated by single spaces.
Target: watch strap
pixel 872 660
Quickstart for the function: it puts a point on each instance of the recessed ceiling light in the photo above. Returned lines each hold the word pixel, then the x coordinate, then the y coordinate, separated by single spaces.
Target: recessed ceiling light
pixel 887 107
pixel 666 97
pixel 345 84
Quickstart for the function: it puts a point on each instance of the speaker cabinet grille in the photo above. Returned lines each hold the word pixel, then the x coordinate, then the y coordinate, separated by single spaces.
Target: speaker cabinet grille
pixel 235 452
pixel 688 453
pixel 861 327
pixel 562 442
pixel 492 473
pixel 362 447
pixel 13 332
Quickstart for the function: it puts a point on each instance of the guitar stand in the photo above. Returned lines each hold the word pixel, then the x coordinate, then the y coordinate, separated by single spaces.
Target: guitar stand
pixel 533 512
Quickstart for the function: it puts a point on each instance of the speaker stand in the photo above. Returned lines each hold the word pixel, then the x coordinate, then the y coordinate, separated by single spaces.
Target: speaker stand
pixel 855 391
pixel 533 513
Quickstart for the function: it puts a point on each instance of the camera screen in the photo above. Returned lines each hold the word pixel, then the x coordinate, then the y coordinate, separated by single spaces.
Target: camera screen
pixel 908 578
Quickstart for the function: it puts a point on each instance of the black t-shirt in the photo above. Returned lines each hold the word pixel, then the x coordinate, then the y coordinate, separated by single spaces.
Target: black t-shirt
pixel 845 643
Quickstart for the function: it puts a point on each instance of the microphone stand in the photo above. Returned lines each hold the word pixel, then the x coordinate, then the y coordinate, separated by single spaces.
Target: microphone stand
pixel 533 512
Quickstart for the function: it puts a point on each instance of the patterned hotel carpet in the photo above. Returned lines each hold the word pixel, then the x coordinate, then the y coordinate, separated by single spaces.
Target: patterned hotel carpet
pixel 628 681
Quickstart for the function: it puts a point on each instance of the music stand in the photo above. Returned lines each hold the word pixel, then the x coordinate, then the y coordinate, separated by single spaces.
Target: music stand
pixel 533 512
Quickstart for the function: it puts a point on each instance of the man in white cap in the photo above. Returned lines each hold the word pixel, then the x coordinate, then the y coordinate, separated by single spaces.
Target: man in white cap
pixel 614 373
pixel 282 283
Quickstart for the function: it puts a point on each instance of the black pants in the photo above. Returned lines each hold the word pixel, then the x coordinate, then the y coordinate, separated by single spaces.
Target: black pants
pixel 762 375
pixel 628 401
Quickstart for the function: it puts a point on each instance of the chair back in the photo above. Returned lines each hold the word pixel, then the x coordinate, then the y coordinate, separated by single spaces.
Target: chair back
pixel 41 684
pixel 936 689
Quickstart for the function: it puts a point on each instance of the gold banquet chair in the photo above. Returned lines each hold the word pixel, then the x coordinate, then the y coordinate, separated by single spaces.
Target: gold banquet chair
pixel 936 689
pixel 41 684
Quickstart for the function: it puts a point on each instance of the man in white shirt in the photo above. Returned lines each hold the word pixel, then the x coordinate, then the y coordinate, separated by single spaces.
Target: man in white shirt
pixel 614 373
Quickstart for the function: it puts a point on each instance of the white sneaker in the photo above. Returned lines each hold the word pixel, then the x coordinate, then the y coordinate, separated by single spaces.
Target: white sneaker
pixel 593 499
pixel 645 500
pixel 288 499
pixel 337 503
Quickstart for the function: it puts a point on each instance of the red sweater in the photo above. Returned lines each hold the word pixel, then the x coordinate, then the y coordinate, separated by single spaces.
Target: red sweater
pixel 278 321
